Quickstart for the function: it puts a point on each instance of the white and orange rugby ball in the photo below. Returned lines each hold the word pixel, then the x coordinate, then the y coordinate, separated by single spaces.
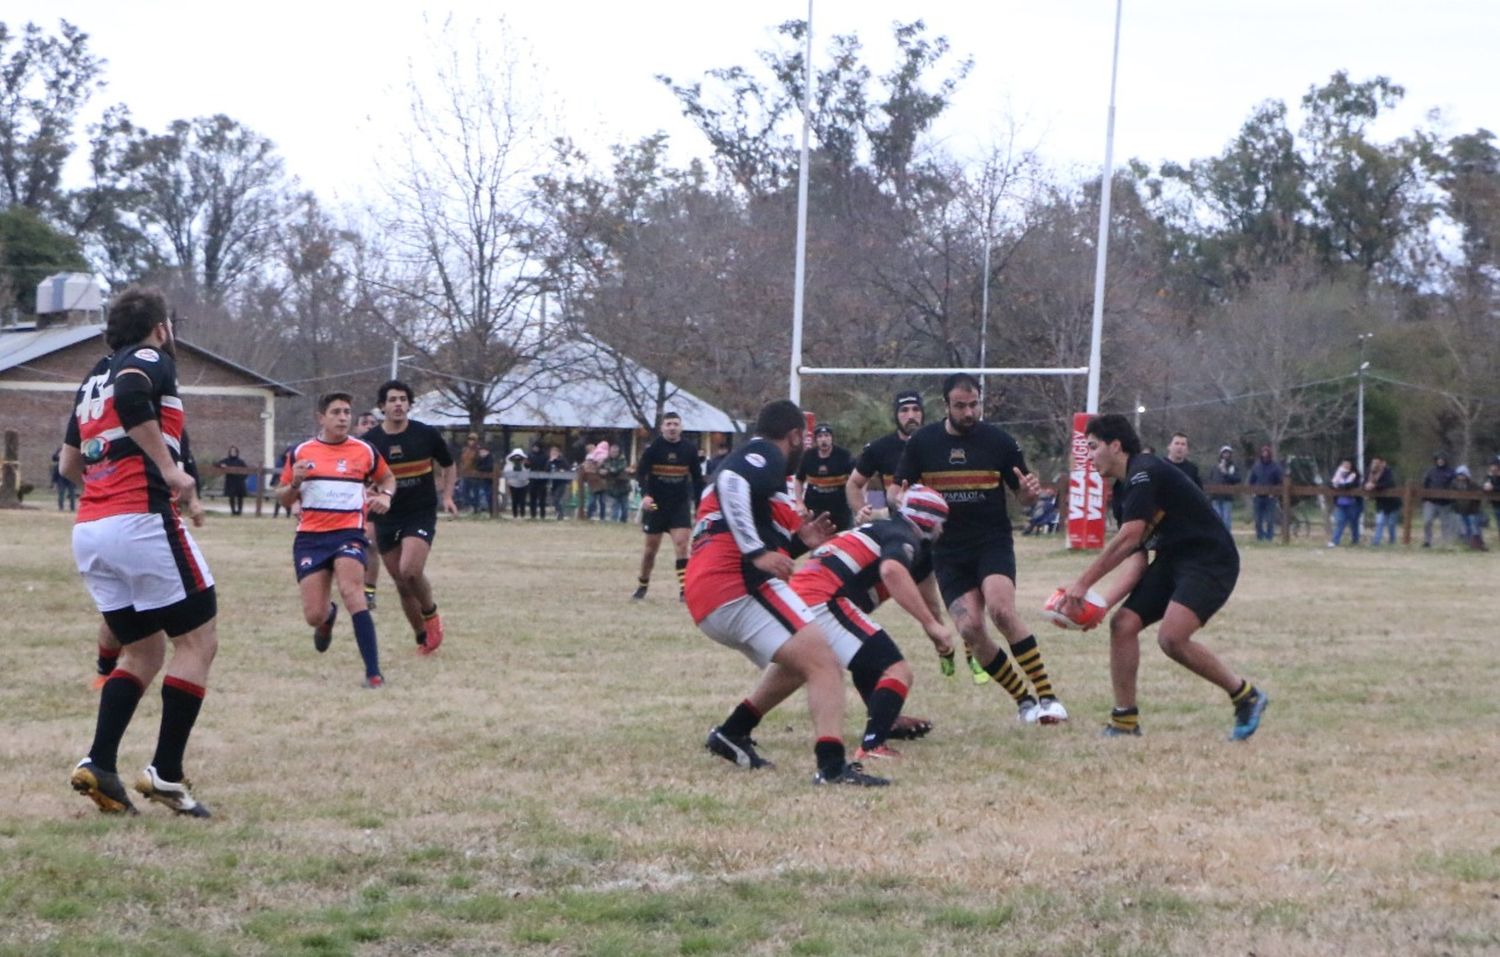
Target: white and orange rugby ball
pixel 1094 610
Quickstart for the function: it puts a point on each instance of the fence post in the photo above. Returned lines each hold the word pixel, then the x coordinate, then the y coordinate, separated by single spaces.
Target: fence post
pixel 10 470
pixel 1286 508
pixel 260 489
pixel 1406 508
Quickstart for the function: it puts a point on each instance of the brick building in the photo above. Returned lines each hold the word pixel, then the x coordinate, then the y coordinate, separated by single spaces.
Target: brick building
pixel 41 367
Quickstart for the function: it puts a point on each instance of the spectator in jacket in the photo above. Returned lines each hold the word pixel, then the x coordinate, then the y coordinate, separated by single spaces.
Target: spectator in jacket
pixel 1346 510
pixel 1468 510
pixel 1265 471
pixel 1437 510
pixel 484 480
pixel 559 486
pixel 234 485
pixel 1177 454
pixel 537 490
pixel 1224 472
pixel 615 471
pixel 1382 478
pixel 516 479
pixel 1492 484
pixel 594 457
pixel 67 492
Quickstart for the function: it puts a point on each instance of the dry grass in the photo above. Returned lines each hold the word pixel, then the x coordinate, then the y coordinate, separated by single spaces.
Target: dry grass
pixel 539 787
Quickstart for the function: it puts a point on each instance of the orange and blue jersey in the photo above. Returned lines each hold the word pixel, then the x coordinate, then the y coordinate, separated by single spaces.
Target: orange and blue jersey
pixel 333 493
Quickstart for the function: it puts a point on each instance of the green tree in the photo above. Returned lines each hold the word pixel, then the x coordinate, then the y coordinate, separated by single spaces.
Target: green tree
pixel 30 251
pixel 44 83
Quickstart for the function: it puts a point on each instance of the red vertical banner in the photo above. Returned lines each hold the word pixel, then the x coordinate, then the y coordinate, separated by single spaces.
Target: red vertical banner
pixel 1085 492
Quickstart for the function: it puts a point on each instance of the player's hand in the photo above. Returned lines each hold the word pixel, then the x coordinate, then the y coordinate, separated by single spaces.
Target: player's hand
pixel 863 515
pixel 378 501
pixel 1073 596
pixel 183 485
pixel 816 531
pixel 941 637
pixel 195 511
pixel 301 472
pixel 648 504
pixel 449 506
pixel 1031 486
pixel 774 564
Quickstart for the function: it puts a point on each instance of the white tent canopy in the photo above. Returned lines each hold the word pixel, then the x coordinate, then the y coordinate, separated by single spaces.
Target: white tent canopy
pixel 571 398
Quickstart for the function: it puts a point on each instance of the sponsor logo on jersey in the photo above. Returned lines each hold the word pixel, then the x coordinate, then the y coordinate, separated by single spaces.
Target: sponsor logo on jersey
pixel 95 449
pixel 395 452
pixel 756 459
pixel 958 457
pixel 1140 478
pixel 343 465
pixel 147 355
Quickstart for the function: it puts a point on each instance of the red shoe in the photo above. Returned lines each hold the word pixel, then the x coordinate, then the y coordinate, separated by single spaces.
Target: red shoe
pixel 99 681
pixel 879 752
pixel 434 629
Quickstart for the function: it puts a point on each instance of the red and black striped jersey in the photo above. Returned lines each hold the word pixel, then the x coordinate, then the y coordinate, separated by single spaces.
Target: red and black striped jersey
pixel 745 512
pixel 848 565
pixel 118 478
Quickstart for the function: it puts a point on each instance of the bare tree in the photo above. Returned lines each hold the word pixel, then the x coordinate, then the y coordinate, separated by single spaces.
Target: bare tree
pixel 459 277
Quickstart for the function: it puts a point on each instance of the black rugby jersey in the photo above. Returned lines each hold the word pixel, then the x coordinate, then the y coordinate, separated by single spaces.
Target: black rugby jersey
pixel 410 454
pixel 971 472
pixel 671 472
pixel 881 457
pixel 825 478
pixel 1179 517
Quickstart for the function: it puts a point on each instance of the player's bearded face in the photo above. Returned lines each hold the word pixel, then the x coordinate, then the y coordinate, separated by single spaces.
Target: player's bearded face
pixel 825 443
pixel 963 409
pixel 909 419
pixel 169 343
pixel 794 454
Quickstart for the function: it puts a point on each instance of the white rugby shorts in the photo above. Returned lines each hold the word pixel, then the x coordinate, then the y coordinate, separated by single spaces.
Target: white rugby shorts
pixel 845 627
pixel 141 559
pixel 758 624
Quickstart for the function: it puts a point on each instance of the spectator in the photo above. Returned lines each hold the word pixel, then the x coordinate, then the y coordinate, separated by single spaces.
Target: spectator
pixel 234 484
pixel 615 471
pixel 286 456
pixel 1468 510
pixel 1265 471
pixel 1042 519
pixel 484 480
pixel 1387 507
pixel 516 480
pixel 1440 476
pixel 1492 484
pixel 594 458
pixel 467 492
pixel 536 462
pixel 1177 454
pixel 1346 510
pixel 1224 472
pixel 66 490
pixel 559 486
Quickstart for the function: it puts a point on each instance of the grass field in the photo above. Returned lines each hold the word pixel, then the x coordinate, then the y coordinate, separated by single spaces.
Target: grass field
pixel 539 786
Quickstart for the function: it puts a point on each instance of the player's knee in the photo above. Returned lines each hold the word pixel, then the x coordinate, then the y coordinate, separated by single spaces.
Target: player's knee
pixel 901 671
pixel 1124 626
pixel 1174 645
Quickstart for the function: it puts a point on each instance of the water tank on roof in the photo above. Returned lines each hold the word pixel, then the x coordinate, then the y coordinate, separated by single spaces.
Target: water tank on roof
pixel 70 292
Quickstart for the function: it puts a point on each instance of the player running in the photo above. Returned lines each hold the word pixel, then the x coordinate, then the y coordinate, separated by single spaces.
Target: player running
pixel 671 475
pixel 850 576
pixel 362 427
pixel 1160 510
pixel 970 463
pixel 404 534
pixel 882 456
pixel 821 478
pixel 140 565
pixel 747 531
pixel 330 476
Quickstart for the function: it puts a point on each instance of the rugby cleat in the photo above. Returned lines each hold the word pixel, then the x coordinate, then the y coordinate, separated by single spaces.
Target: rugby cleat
pixel 102 787
pixel 176 795
pixel 1247 715
pixel 640 594
pixel 374 682
pixel 1028 711
pixel 1115 731
pixel 976 670
pixel 433 632
pixel 740 751
pixel 881 752
pixel 1051 711
pixel 851 773
pixel 909 728
pixel 323 634
pixel 945 665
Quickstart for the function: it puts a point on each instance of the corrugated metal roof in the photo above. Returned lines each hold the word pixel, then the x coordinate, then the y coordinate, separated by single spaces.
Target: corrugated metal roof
pixel 564 400
pixel 20 346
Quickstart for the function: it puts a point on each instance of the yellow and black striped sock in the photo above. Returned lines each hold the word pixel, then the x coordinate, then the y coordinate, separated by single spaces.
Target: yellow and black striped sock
pixel 1125 719
pixel 1246 690
pixel 1005 676
pixel 1029 657
pixel 681 574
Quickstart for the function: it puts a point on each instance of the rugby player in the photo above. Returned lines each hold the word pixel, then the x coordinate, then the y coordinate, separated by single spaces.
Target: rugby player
pixel 822 477
pixel 671 475
pixel 882 456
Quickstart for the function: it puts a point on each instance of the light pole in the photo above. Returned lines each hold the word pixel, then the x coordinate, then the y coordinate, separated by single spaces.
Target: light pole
pixel 1359 421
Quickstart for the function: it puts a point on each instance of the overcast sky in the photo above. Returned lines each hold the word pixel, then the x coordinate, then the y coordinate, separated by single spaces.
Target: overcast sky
pixel 324 78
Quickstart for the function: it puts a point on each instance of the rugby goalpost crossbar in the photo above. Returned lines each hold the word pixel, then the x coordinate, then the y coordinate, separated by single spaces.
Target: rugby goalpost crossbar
pixel 940 370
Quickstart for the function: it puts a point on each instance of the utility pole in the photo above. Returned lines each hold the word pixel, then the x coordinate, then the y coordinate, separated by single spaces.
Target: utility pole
pixel 1359 422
